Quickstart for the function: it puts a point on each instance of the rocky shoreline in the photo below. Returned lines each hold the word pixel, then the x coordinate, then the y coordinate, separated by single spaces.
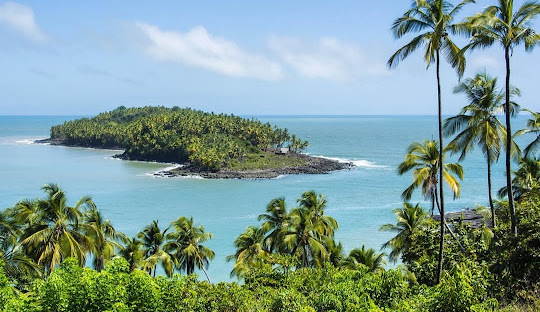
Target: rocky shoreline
pixel 314 165
pixel 60 142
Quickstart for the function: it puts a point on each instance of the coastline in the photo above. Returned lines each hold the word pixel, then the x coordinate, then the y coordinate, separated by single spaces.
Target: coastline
pixel 58 142
pixel 313 165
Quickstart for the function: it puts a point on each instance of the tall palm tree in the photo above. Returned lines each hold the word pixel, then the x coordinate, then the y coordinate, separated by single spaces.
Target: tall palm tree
pixel 104 237
pixel 501 24
pixel 250 251
pixel 433 19
pixel 153 240
pixel 533 127
pixel 275 221
pixel 367 256
pixel 478 124
pixel 409 220
pixel 185 245
pixel 424 159
pixel 53 232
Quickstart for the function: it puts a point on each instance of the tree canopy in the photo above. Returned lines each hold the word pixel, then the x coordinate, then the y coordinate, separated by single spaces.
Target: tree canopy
pixel 179 135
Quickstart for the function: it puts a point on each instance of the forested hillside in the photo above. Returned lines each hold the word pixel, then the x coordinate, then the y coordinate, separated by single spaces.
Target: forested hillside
pixel 207 140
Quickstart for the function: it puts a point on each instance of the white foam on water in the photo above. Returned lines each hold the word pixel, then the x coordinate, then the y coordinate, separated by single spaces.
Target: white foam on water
pixel 361 163
pixel 30 141
pixel 171 167
pixel 368 164
pixel 111 158
pixel 198 177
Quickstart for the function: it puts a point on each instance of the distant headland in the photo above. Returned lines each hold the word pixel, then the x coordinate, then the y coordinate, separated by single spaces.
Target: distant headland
pixel 203 144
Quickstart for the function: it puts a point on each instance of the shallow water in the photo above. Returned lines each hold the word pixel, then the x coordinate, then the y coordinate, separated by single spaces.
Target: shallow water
pixel 361 200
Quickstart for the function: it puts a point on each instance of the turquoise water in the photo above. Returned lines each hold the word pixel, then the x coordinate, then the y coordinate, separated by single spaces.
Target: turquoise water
pixel 361 200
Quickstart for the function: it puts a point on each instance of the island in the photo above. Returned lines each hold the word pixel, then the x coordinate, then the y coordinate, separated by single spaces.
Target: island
pixel 203 144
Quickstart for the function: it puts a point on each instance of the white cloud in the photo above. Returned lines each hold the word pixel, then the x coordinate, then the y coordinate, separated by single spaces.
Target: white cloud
pixel 483 61
pixel 21 18
pixel 328 59
pixel 198 48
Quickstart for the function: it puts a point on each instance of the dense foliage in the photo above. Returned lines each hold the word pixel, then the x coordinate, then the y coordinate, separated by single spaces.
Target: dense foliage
pixel 72 288
pixel 302 237
pixel 290 262
pixel 178 135
pixel 37 235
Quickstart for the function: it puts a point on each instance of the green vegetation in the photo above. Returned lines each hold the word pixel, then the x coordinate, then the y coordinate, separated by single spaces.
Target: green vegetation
pixel 433 20
pixel 265 161
pixel 501 24
pixel 180 135
pixel 533 127
pixel 424 159
pixel 37 235
pixel 290 262
pixel 479 124
pixel 303 234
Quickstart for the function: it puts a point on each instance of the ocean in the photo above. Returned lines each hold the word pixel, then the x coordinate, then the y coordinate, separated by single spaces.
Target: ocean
pixel 361 199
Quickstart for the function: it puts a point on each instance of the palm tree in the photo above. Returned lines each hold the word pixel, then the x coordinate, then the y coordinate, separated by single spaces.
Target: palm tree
pixel 316 203
pixel 499 23
pixel 424 159
pixel 335 253
pixel 434 19
pixel 53 232
pixel 526 179
pixel 133 253
pixel 104 237
pixel 310 232
pixel 478 124
pixel 185 245
pixel 250 251
pixel 153 239
pixel 303 239
pixel 275 221
pixel 17 266
pixel 409 220
pixel 373 261
pixel 533 127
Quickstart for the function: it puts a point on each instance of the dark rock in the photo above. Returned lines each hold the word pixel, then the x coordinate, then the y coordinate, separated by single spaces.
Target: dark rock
pixel 315 165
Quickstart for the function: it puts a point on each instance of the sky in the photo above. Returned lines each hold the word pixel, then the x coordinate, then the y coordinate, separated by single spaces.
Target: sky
pixel 305 57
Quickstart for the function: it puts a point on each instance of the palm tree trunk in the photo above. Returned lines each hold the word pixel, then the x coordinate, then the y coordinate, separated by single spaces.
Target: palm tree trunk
pixel 493 221
pixel 205 273
pixel 441 167
pixel 190 268
pixel 455 238
pixel 509 144
pixel 98 263
pixel 306 263
pixel 437 200
pixel 433 199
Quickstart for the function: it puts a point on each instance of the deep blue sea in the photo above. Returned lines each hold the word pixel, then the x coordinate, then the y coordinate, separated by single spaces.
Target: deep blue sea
pixel 361 200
